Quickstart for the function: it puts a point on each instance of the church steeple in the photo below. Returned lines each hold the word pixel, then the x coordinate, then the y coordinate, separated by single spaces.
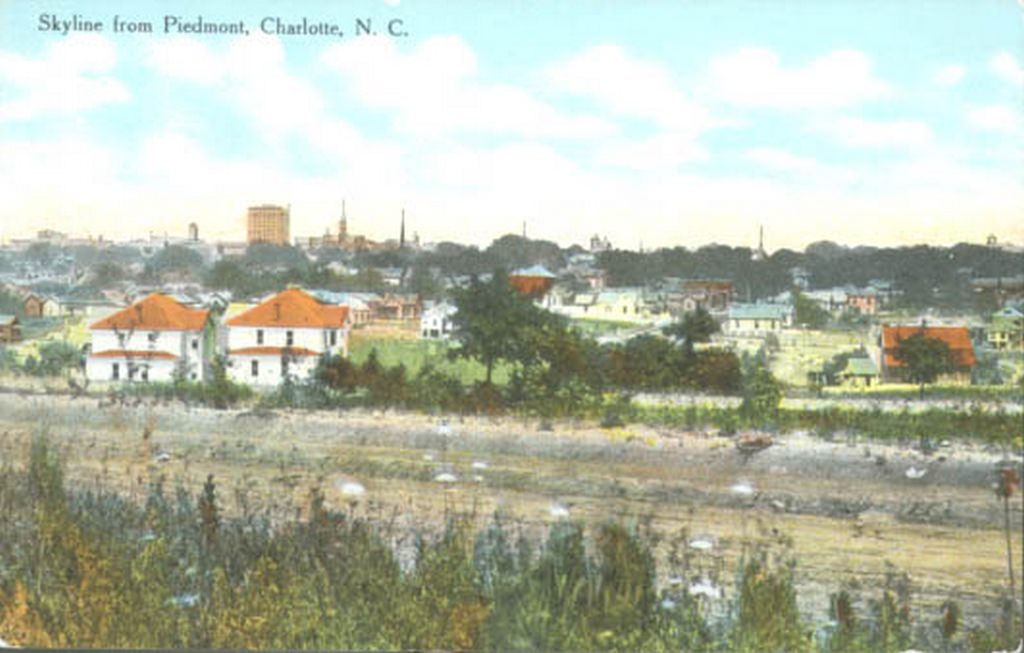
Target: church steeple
pixel 759 254
pixel 342 224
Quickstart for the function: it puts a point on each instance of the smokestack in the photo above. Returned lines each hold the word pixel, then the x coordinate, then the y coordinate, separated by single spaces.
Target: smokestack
pixel 401 234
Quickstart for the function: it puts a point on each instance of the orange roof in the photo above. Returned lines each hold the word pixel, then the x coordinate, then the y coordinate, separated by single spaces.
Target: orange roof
pixel 155 313
pixel 134 353
pixel 292 308
pixel 272 351
pixel 958 339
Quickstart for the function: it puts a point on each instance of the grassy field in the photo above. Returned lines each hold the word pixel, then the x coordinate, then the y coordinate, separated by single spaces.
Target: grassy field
pixel 415 353
pixel 806 351
pixel 849 518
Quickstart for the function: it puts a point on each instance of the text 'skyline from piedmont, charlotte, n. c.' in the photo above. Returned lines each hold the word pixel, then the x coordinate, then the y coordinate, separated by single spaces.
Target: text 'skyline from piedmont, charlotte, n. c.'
pixel 174 24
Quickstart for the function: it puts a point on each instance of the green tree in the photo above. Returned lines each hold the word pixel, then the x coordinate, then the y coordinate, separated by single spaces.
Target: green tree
pixel 11 304
pixel 806 312
pixel 694 327
pixel 175 259
pixel 762 394
pixel 924 359
pixel 491 322
pixel 338 373
pixel 57 357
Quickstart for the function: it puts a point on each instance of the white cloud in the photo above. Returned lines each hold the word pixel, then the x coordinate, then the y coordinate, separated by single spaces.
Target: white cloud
pixel 755 77
pixel 72 76
pixel 996 117
pixel 664 151
pixel 185 58
pixel 783 160
pixel 857 132
pixel 434 91
pixel 950 75
pixel 1006 66
pixel 631 87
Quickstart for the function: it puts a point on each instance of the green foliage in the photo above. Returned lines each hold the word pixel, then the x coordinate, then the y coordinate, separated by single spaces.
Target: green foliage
pixel 762 394
pixel 492 323
pixel 174 260
pixel 99 570
pixel 8 361
pixel 11 304
pixel 891 628
pixel 849 635
pixel 806 312
pixel 971 425
pixel 694 327
pixel 767 618
pixel 835 365
pixel 925 358
pixel 56 357
pixel 105 274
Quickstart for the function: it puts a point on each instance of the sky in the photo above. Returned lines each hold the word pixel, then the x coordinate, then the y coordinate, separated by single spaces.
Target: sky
pixel 652 123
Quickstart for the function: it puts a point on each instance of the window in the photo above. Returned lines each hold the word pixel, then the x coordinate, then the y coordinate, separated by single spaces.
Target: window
pixel 289 338
pixel 255 368
pixel 195 344
pixel 115 371
pixel 121 337
pixel 145 374
pixel 334 338
pixel 152 336
pixel 259 337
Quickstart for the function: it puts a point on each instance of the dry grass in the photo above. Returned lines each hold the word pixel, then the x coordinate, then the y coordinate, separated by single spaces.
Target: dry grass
pixel 680 481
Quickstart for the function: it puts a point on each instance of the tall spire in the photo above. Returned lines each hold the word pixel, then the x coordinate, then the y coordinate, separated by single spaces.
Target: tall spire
pixel 342 225
pixel 401 233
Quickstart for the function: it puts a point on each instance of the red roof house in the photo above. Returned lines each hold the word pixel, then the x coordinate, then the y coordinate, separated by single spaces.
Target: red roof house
pixel 957 337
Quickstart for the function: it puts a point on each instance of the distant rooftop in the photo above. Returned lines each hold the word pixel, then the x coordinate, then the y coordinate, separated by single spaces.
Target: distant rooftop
pixel 758 311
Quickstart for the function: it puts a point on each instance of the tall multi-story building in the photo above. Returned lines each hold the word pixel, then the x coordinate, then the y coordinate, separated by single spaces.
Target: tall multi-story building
pixel 268 223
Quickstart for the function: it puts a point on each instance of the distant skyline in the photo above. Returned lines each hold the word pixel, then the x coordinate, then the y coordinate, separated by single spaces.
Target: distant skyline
pixel 663 122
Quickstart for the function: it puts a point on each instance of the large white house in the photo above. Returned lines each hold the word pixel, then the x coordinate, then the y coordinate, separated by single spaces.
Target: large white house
pixel 284 335
pixel 150 341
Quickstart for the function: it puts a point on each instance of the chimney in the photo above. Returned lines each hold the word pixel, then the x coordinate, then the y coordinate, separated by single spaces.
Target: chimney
pixel 138 312
pixel 277 311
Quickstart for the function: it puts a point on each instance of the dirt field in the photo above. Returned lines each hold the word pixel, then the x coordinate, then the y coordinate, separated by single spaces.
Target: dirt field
pixel 849 507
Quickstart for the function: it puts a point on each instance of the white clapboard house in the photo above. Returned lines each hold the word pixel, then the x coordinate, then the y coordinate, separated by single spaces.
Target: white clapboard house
pixel 150 340
pixel 284 335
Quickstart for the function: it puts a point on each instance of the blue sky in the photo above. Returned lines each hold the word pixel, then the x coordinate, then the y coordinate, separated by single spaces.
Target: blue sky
pixel 667 123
